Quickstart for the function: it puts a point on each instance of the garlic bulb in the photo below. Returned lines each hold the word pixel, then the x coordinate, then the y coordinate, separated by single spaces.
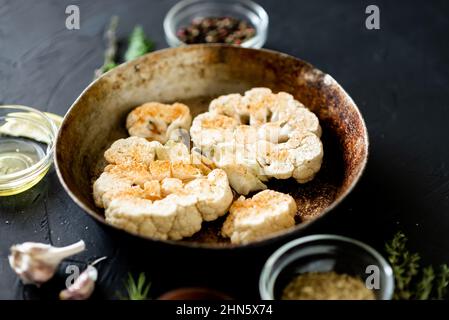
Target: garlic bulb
pixel 36 263
pixel 83 287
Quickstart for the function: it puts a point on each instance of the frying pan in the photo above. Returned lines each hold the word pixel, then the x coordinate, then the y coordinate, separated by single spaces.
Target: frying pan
pixel 194 75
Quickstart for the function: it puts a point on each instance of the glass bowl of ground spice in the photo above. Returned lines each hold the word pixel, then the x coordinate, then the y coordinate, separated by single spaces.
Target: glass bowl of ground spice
pixel 326 267
pixel 233 22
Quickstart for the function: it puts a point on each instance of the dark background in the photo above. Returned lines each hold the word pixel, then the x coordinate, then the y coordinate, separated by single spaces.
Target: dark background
pixel 398 76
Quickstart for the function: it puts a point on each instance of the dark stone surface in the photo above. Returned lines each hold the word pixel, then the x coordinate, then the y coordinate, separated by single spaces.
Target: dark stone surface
pixel 398 76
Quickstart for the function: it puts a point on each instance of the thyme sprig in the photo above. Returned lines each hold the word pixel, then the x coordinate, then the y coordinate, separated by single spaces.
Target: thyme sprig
pixel 406 269
pixel 442 282
pixel 405 265
pixel 425 285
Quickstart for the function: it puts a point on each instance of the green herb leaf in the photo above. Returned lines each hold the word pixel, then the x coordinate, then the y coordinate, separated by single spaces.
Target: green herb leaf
pixel 424 286
pixel 405 265
pixel 138 45
pixel 108 67
pixel 442 282
pixel 406 269
pixel 139 290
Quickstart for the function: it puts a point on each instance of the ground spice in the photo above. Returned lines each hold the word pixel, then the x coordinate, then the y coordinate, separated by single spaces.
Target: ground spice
pixel 216 30
pixel 326 286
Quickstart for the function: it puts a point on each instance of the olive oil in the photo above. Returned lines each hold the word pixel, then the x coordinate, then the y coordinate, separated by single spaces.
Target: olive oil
pixel 17 154
pixel 26 147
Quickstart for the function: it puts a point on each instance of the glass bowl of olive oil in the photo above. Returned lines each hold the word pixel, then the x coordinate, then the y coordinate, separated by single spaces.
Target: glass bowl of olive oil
pixel 27 141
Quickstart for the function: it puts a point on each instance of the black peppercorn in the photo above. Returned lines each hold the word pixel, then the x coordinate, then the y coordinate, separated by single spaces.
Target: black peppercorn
pixel 216 30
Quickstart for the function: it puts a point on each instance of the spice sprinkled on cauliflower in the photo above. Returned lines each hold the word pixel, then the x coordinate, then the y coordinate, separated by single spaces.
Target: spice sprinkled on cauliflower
pixel 259 136
pixel 255 218
pixel 164 195
pixel 158 121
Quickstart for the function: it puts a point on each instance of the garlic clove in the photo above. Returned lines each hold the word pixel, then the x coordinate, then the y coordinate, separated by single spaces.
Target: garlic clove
pixel 57 254
pixel 83 287
pixel 36 263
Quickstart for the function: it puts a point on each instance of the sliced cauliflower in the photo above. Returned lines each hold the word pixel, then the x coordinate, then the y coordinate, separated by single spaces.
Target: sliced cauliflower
pixel 255 218
pixel 258 136
pixel 171 185
pixel 109 185
pixel 240 164
pixel 213 194
pixel 158 121
pixel 166 198
pixel 132 150
pixel 299 157
pixel 210 128
pixel 141 216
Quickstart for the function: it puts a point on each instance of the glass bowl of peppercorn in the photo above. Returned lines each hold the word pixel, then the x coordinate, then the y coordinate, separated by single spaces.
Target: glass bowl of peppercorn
pixel 326 267
pixel 233 22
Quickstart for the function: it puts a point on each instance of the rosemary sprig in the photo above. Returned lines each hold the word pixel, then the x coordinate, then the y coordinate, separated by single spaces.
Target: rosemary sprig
pixel 138 45
pixel 137 290
pixel 111 48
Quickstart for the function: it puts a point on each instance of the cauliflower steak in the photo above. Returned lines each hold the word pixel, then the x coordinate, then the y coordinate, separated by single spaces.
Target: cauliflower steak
pixel 255 218
pixel 259 136
pixel 159 191
pixel 158 121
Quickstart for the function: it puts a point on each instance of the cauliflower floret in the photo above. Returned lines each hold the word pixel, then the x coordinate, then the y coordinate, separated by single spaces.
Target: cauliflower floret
pixel 187 217
pixel 140 216
pixel 163 199
pixel 229 105
pixel 213 194
pixel 255 218
pixel 241 166
pixel 109 185
pixel 158 121
pixel 171 185
pixel 300 157
pixel 136 173
pixel 306 155
pixel 281 140
pixel 174 151
pixel 209 128
pixel 173 217
pixel 131 150
pixel 125 180
pixel 242 179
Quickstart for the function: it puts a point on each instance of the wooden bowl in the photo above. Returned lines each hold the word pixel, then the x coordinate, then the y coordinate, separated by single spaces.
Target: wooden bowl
pixel 194 294
pixel 194 75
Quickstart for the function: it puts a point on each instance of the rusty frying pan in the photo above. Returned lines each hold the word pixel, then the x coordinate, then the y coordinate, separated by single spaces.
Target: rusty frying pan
pixel 194 75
